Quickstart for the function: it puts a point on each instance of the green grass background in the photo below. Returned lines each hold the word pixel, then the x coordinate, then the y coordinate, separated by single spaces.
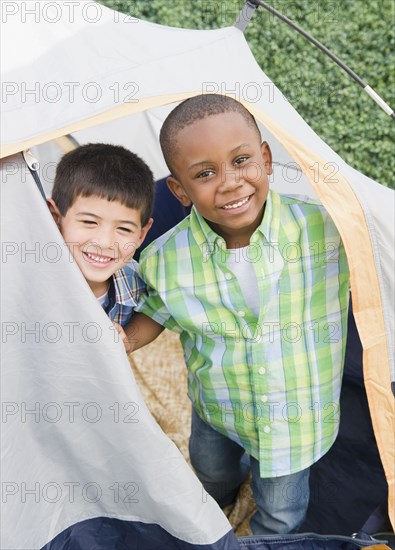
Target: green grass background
pixel 360 33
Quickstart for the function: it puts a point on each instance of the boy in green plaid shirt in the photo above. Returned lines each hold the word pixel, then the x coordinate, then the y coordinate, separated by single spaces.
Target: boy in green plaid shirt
pixel 257 285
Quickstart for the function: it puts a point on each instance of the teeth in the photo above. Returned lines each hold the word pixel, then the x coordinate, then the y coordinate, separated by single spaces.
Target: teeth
pixel 236 204
pixel 99 259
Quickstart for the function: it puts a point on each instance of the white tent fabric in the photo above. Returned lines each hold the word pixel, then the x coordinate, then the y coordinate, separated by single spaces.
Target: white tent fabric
pixel 79 67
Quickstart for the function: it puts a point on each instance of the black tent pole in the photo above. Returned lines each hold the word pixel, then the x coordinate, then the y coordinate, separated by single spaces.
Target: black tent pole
pixel 249 8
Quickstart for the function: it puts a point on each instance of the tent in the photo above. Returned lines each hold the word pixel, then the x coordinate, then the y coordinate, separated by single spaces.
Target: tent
pixel 79 446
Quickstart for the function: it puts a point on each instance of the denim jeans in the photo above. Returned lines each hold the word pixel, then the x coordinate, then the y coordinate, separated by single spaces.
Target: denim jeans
pixel 222 465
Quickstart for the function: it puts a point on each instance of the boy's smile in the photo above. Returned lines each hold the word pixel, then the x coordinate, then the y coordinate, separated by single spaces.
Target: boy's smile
pixel 222 168
pixel 102 236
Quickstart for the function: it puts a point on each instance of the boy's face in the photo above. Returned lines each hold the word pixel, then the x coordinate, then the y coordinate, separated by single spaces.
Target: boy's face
pixel 102 237
pixel 222 168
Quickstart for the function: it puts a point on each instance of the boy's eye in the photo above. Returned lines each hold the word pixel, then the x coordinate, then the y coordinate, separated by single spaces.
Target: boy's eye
pixel 205 174
pixel 240 160
pixel 125 229
pixel 88 222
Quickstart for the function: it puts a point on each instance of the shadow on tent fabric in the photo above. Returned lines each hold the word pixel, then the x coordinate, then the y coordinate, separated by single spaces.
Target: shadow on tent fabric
pixel 348 483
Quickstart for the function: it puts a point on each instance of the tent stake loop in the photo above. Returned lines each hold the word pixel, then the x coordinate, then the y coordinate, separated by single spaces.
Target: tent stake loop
pixel 246 14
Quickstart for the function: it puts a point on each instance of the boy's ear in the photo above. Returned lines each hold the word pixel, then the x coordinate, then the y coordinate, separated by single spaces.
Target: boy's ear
pixel 144 231
pixel 54 211
pixel 267 157
pixel 178 191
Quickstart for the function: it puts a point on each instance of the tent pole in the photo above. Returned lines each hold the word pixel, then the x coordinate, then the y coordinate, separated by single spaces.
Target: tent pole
pixel 33 166
pixel 244 18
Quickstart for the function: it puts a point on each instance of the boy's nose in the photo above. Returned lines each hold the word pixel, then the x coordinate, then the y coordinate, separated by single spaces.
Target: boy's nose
pixel 105 240
pixel 231 178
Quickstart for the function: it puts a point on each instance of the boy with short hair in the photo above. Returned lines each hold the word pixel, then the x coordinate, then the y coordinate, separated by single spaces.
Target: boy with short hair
pixel 101 201
pixel 257 285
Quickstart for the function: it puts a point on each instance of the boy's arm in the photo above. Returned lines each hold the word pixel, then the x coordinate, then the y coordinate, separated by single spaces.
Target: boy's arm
pixel 140 331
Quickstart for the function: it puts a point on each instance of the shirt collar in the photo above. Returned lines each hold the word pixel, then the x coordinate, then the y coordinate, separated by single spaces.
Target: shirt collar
pixel 269 227
pixel 270 224
pixel 207 239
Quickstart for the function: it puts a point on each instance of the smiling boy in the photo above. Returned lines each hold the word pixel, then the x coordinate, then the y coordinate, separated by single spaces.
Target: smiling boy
pixel 101 201
pixel 232 204
pixel 257 285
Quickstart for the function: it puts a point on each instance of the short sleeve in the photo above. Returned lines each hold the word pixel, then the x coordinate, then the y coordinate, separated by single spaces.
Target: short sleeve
pixel 152 305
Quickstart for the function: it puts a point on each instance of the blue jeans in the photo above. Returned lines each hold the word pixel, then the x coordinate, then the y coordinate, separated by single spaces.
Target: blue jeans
pixel 222 465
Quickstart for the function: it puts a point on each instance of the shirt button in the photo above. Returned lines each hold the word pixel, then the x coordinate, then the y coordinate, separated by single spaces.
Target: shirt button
pixel 241 313
pixel 262 370
pixel 228 276
pixel 266 429
pixel 264 398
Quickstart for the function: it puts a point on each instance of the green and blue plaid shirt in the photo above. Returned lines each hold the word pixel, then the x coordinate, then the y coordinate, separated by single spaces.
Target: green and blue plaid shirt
pixel 124 292
pixel 271 383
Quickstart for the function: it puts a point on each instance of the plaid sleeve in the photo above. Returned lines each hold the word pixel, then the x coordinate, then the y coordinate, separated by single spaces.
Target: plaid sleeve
pixel 152 305
pixel 152 302
pixel 139 287
pixel 129 280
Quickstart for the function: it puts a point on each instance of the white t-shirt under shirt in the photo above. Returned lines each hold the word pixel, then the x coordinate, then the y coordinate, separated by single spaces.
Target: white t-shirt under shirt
pixel 242 266
pixel 102 299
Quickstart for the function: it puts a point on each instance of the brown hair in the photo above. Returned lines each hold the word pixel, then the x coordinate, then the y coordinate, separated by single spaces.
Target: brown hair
pixel 107 171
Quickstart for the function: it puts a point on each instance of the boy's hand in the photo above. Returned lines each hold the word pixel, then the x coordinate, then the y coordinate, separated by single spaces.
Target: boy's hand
pixel 123 336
